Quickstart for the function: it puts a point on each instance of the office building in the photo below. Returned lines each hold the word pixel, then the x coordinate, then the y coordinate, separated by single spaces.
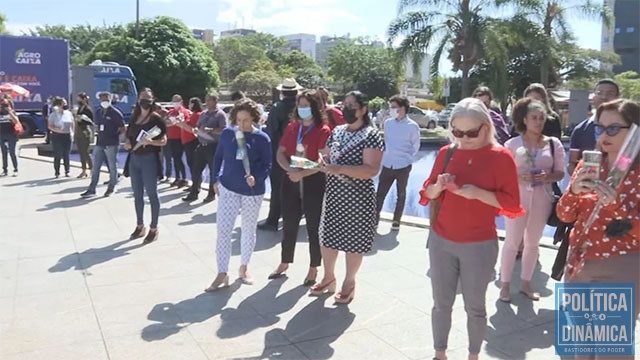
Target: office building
pixel 205 35
pixel 236 33
pixel 305 43
pixel 623 37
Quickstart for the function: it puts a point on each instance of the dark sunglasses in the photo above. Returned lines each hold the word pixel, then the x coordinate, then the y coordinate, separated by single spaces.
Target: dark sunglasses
pixel 471 134
pixel 611 130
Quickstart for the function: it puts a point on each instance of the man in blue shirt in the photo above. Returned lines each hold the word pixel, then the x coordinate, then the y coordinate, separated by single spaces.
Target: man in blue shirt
pixel 583 136
pixel 402 142
pixel 110 123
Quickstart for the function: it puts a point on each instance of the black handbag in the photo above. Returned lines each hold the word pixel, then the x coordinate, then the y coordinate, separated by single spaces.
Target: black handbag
pixel 553 219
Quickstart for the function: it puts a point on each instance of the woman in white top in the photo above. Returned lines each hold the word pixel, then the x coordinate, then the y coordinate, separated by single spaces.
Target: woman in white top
pixel 539 166
pixel 61 126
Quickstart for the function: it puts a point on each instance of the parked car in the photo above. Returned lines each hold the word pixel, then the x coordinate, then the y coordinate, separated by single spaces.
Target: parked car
pixel 422 117
pixel 443 117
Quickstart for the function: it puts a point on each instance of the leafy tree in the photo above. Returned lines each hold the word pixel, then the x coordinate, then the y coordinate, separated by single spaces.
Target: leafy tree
pixel 305 70
pixel 374 71
pixel 554 14
pixel 166 58
pixel 629 85
pixel 258 84
pixel 3 28
pixel 458 26
pixel 275 47
pixel 82 38
pixel 235 55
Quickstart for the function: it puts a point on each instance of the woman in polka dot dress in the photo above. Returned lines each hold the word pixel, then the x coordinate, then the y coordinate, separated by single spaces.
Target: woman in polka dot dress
pixel 609 251
pixel 349 208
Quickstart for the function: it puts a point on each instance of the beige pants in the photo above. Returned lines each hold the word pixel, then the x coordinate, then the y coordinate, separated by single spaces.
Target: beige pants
pixel 619 269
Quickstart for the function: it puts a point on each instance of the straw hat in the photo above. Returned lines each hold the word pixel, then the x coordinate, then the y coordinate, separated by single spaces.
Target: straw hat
pixel 289 84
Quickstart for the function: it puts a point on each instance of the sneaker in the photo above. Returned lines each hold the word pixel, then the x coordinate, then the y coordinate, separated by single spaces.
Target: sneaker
pixel 395 226
pixel 67 174
pixel 15 173
pixel 108 192
pixel 88 193
pixel 4 173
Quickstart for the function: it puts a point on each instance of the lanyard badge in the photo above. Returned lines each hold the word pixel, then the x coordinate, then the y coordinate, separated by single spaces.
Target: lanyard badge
pixel 300 146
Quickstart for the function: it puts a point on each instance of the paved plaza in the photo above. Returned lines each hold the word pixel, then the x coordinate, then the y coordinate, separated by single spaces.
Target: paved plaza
pixel 72 286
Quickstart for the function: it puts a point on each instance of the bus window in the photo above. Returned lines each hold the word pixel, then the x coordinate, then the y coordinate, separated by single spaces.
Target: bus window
pixel 120 86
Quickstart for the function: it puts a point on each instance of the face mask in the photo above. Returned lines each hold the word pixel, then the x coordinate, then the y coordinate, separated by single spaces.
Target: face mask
pixel 393 112
pixel 176 105
pixel 105 104
pixel 349 115
pixel 304 113
pixel 145 104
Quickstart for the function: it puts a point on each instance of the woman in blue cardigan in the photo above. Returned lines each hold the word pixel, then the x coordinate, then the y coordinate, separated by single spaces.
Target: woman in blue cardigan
pixel 244 155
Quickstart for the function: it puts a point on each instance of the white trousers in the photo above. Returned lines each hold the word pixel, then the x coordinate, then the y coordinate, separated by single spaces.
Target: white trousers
pixel 229 205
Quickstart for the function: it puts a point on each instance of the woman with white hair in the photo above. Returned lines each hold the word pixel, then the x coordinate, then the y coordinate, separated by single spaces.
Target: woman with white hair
pixel 473 180
pixel 540 161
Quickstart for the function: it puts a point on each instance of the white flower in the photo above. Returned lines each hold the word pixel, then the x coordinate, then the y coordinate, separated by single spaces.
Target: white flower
pixel 521 151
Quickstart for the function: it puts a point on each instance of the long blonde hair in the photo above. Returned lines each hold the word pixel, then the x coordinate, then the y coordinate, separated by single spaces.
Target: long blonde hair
pixel 474 108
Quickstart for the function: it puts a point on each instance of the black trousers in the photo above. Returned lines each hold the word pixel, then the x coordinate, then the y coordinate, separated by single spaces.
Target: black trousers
pixel 386 179
pixel 190 152
pixel 176 153
pixel 276 183
pixel 203 158
pixel 61 150
pixel 294 204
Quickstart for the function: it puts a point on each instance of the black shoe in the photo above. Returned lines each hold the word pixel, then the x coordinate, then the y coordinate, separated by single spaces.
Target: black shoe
pixel 4 173
pixel 88 193
pixel 108 192
pixel 183 183
pixel 190 198
pixel 152 236
pixel 267 227
pixel 106 182
pixel 137 233
pixel 209 198
pixel 175 183
pixel 67 174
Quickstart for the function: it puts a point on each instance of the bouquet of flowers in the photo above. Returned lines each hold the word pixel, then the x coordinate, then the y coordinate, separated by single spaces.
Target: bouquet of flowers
pixel 152 133
pixel 627 155
pixel 303 163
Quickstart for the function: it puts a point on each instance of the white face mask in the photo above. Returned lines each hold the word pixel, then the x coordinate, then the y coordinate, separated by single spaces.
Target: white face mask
pixel 176 105
pixel 105 104
pixel 393 112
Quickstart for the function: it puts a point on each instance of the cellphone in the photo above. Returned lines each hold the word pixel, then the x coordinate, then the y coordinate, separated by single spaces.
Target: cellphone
pixel 592 164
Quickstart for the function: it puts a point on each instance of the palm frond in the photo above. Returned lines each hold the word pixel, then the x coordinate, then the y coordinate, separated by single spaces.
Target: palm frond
pixel 405 5
pixel 411 22
pixel 435 62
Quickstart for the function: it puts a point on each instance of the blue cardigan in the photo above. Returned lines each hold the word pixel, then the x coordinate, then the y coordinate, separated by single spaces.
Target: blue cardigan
pixel 231 175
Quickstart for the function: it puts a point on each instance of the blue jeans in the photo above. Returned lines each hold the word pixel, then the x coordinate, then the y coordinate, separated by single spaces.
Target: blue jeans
pixel 108 154
pixel 61 150
pixel 8 144
pixel 143 170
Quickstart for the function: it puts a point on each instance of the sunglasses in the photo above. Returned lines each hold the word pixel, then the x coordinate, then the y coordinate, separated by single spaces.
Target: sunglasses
pixel 471 134
pixel 611 130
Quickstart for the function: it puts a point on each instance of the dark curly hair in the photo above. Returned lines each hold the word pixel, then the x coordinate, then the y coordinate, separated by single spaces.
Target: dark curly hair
pixel 245 105
pixel 315 100
pixel 520 111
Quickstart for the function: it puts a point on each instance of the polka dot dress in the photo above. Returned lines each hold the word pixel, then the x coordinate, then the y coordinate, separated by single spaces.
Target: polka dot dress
pixel 349 207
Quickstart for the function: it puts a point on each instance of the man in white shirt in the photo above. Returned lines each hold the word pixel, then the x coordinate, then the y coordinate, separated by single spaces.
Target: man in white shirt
pixel 402 142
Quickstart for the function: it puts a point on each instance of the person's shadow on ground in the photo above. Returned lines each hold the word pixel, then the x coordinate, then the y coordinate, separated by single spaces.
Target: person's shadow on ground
pixel 266 302
pixel 190 311
pixel 66 204
pixel 386 242
pixel 314 322
pixel 93 256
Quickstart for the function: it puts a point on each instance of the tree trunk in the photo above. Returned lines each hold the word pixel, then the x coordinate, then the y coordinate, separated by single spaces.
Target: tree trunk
pixel 465 82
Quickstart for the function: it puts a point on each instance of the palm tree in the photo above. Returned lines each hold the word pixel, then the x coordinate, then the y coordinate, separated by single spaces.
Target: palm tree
pixel 553 15
pixel 459 26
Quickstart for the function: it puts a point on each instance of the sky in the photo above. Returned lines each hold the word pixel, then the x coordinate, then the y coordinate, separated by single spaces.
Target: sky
pixel 280 17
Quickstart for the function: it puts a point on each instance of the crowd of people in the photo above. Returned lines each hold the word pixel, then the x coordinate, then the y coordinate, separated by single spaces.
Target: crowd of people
pixel 486 171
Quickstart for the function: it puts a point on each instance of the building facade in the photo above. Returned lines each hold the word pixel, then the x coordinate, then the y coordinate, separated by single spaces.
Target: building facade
pixel 305 43
pixel 623 36
pixel 205 35
pixel 236 33
pixel 325 45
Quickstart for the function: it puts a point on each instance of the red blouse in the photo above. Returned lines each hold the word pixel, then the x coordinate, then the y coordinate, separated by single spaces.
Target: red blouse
pixel 186 135
pixel 577 208
pixel 490 168
pixel 313 141
pixel 173 132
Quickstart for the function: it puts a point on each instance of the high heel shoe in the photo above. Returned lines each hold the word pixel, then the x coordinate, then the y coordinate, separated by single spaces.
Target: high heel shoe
pixel 218 284
pixel 245 278
pixel 342 298
pixel 320 289
pixel 531 295
pixel 278 274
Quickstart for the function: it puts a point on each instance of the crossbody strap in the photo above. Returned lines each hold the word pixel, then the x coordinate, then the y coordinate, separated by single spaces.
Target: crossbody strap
pixel 452 148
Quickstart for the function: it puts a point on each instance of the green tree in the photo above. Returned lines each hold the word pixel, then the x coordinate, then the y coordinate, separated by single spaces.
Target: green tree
pixel 3 28
pixel 235 55
pixel 305 70
pixel 629 85
pixel 374 71
pixel 82 38
pixel 258 84
pixel 554 14
pixel 460 27
pixel 166 58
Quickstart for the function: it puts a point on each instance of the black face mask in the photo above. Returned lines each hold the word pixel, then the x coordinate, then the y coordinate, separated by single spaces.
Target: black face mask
pixel 349 115
pixel 145 104
pixel 4 110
